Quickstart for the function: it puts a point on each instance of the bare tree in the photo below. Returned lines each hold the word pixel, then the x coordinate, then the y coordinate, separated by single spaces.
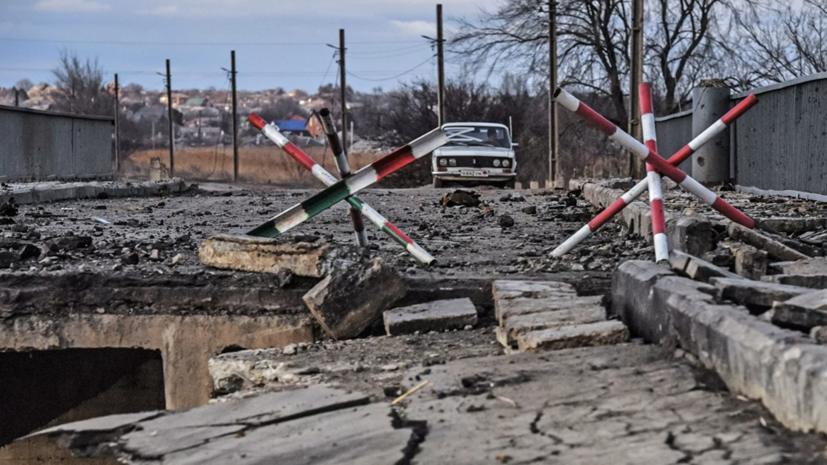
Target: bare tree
pixel 81 86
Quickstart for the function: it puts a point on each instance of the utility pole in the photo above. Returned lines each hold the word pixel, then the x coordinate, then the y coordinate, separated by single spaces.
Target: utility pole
pixel 16 97
pixel 117 126
pixel 553 136
pixel 635 164
pixel 440 65
pixel 235 119
pixel 344 87
pixel 171 128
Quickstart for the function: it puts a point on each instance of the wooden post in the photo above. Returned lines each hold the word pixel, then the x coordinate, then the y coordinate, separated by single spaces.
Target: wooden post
pixel 171 126
pixel 235 118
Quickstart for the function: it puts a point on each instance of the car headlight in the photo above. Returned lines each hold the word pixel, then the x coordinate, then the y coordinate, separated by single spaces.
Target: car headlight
pixel 506 163
pixel 452 162
pixel 496 162
pixel 443 161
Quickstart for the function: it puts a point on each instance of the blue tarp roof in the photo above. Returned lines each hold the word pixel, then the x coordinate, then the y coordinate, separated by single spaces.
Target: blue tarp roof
pixel 291 125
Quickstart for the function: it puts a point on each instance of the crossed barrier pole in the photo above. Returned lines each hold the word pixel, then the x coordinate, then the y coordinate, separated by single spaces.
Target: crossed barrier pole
pixel 650 139
pixel 641 187
pixel 344 172
pixel 328 179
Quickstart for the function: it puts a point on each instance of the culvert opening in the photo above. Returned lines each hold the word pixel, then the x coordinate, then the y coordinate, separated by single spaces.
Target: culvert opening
pixel 41 389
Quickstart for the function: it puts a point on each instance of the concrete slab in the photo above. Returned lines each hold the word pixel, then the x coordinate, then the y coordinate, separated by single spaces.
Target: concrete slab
pixel 440 315
pixel 756 293
pixel 567 337
pixel 520 324
pixel 505 309
pixel 696 268
pixel 803 311
pixel 772 247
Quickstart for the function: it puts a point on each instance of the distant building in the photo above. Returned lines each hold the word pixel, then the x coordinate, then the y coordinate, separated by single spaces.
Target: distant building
pixel 197 102
pixel 177 98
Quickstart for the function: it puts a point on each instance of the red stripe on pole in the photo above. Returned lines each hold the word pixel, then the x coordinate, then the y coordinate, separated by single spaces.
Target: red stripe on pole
pixel 606 214
pixel 645 99
pixel 598 121
pixel 399 233
pixel 656 207
pixel 256 121
pixel 393 161
pixel 730 212
pixel 299 156
pixel 739 109
pixel 684 153
pixel 665 168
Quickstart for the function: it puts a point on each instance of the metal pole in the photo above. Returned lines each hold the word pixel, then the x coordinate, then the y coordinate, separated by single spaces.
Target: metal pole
pixel 235 119
pixel 117 126
pixel 553 135
pixel 343 84
pixel 440 66
pixel 171 128
pixel 635 164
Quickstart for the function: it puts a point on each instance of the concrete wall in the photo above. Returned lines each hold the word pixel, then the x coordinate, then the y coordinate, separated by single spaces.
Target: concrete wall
pixel 38 145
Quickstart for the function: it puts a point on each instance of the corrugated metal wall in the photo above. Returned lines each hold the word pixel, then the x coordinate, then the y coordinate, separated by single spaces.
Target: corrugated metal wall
pixel 674 131
pixel 781 144
pixel 36 145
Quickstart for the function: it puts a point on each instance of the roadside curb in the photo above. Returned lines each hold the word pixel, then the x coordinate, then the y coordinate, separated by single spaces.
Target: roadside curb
pixel 56 191
pixel 783 369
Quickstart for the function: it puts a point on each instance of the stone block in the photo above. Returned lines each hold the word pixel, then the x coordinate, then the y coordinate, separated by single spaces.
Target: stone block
pixel 439 315
pixel 809 266
pixel 263 255
pixel 795 225
pixel 802 312
pixel 772 247
pixel 535 289
pixel 352 297
pixel 693 236
pixel 567 337
pixel 696 268
pixel 749 262
pixel 756 293
pixel 520 324
pixel 815 281
pixel 631 294
pixel 525 306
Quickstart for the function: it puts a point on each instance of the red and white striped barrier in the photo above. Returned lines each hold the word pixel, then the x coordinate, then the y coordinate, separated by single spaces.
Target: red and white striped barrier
pixel 344 171
pixel 328 179
pixel 620 136
pixel 641 187
pixel 650 139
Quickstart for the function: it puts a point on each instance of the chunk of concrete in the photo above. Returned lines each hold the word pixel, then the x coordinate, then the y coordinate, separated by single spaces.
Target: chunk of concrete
pixel 810 266
pixel 351 297
pixel 439 315
pixel 520 324
pixel 756 293
pixel 795 225
pixel 694 236
pixel 263 255
pixel 696 268
pixel 524 306
pixel 535 289
pixel 812 281
pixel 567 337
pixel 749 261
pixel 802 312
pixel 772 247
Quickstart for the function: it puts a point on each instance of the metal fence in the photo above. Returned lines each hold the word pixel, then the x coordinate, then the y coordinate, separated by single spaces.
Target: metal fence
pixel 779 145
pixel 39 145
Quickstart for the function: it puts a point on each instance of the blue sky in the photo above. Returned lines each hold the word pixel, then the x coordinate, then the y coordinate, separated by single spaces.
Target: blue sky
pixel 278 43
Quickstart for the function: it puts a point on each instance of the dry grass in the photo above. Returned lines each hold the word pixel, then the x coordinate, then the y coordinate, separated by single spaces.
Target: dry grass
pixel 255 164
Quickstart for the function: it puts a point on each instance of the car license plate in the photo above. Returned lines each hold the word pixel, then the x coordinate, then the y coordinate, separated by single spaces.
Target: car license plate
pixel 473 173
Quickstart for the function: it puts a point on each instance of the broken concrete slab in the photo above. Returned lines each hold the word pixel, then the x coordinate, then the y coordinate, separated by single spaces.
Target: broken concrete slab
pixel 694 236
pixel 505 309
pixel 750 262
pixel 772 247
pixel 246 253
pixel 795 225
pixel 756 293
pixel 696 268
pixel 519 324
pixel 809 266
pixel 504 289
pixel 352 297
pixel 440 315
pixel 567 337
pixel 802 312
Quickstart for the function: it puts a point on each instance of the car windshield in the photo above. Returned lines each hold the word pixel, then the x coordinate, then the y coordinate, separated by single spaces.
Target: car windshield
pixel 478 136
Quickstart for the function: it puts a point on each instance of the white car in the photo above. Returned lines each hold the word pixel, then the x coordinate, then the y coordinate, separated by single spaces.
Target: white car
pixel 475 152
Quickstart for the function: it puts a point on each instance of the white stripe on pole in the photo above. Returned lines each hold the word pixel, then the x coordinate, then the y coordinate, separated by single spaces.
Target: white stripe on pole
pixel 648 126
pixel 292 218
pixel 569 244
pixel 323 175
pixel 708 133
pixel 696 188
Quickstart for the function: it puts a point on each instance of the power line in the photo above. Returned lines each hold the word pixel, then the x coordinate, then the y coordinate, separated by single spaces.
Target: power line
pixel 208 44
pixel 392 77
pixel 375 52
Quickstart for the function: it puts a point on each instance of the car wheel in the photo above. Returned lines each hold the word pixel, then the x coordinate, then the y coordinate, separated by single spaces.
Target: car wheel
pixel 438 183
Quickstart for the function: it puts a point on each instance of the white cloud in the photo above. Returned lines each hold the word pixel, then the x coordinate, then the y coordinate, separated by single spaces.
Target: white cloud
pixel 71 6
pixel 415 27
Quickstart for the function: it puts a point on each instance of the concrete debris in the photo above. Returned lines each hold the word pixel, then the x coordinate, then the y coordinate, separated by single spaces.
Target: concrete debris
pixel 524 306
pixel 440 315
pixel 810 266
pixel 756 293
pixel 506 221
pixel 353 295
pixel 8 208
pixel 812 281
pixel 694 236
pixel 795 225
pixel 696 268
pixel 530 210
pixel 313 259
pixel 773 248
pixel 517 325
pixel 803 312
pixel 819 333
pixel 749 261
pixel 461 198
pixel 566 337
